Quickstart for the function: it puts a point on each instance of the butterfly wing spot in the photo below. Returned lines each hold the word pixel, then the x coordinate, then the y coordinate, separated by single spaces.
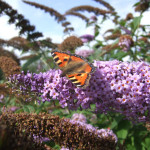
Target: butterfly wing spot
pixel 78 84
pixel 74 80
pixel 59 63
pixel 65 59
pixel 71 77
pixel 56 59
pixel 60 58
pixel 53 54
pixel 79 74
pixel 79 79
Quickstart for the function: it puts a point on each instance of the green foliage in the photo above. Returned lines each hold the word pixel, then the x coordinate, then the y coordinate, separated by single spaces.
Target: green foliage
pixel 30 61
pixel 130 136
pixel 135 23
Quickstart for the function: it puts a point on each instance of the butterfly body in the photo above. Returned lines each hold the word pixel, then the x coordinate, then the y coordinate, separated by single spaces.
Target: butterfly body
pixel 74 67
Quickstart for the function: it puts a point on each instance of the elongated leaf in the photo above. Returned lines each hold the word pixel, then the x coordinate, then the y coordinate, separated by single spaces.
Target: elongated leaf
pixel 122 134
pixel 136 22
pixel 31 60
pixel 147 142
pixel 28 108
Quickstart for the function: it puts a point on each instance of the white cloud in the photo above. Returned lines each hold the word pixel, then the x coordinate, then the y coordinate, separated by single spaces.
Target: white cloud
pixel 15 4
pixel 145 20
pixel 56 37
pixel 7 31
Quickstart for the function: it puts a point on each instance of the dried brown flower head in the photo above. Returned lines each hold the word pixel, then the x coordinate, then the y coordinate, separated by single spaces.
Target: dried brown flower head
pixel 51 11
pixel 77 14
pixel 19 40
pixel 6 53
pixel 110 47
pixel 109 30
pixel 142 6
pixel 9 66
pixel 144 39
pixel 65 24
pixel 68 29
pixel 16 42
pixel 89 8
pixel 70 44
pixel 147 125
pixel 107 5
pixel 11 138
pixel 3 89
pixel 115 20
pixel 125 42
pixel 27 57
pixel 129 16
pixel 62 131
pixel 113 36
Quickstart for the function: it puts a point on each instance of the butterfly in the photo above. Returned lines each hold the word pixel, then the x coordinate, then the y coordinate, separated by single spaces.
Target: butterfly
pixel 76 68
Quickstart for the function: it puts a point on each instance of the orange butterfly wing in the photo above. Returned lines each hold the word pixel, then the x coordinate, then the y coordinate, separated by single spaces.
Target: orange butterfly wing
pixel 82 79
pixel 77 58
pixel 81 76
pixel 78 79
pixel 61 59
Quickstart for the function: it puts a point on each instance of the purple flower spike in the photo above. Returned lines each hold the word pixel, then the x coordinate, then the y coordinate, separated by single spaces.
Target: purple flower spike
pixel 115 86
pixel 87 38
pixel 84 53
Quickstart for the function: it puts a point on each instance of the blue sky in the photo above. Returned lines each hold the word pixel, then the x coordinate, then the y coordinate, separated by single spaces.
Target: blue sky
pixel 49 26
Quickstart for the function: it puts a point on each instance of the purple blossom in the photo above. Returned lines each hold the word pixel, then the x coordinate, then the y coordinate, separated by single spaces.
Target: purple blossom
pixel 106 133
pixel 13 108
pixel 40 139
pixel 84 53
pixel 102 133
pixel 125 44
pixel 115 86
pixel 79 117
pixel 63 148
pixel 87 38
pixel 126 30
pixel 1 97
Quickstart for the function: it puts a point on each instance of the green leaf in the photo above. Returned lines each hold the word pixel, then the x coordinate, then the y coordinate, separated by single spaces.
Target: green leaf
pixel 131 147
pixel 147 143
pixel 136 4
pixel 136 23
pixel 119 55
pixel 30 61
pixel 125 124
pixel 122 22
pixel 137 143
pixel 40 108
pixel 96 33
pixel 122 134
pixel 116 122
pixel 28 108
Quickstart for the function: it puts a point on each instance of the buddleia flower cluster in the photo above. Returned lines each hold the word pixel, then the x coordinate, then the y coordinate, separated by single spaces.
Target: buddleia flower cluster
pixel 125 42
pixel 115 86
pixel 87 38
pixel 84 53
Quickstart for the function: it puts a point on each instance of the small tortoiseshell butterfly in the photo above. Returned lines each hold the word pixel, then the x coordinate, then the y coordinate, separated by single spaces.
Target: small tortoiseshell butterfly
pixel 74 67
